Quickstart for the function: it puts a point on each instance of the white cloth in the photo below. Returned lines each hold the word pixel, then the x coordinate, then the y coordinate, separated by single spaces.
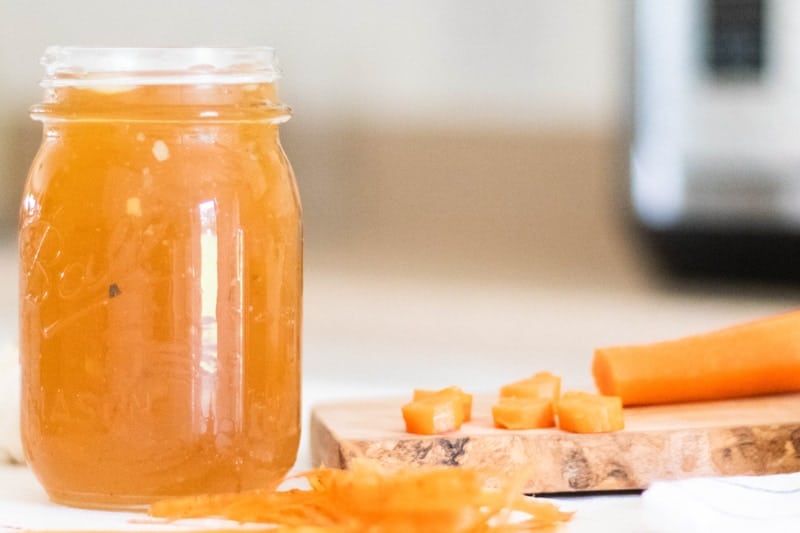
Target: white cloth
pixel 10 441
pixel 740 504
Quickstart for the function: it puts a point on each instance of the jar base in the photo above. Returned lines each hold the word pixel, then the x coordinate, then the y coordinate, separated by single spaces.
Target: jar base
pixel 101 502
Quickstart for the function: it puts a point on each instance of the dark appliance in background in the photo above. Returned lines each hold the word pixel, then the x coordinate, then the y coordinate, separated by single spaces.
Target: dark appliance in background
pixel 715 158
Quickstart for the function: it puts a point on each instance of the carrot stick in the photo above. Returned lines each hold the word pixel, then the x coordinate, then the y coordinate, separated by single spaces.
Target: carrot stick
pixel 752 358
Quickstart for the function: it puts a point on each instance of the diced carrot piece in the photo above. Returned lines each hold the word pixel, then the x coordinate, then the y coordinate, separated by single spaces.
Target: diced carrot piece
pixel 757 357
pixel 466 398
pixel 434 415
pixel 523 413
pixel 581 412
pixel 540 385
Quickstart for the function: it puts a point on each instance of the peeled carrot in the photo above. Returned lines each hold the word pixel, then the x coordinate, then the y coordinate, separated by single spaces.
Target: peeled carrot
pixel 434 415
pixel 465 398
pixel 757 357
pixel 581 412
pixel 540 385
pixel 523 413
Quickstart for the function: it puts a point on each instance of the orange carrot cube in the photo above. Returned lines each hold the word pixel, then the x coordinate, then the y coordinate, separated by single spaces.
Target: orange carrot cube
pixel 465 398
pixel 540 385
pixel 434 415
pixel 523 413
pixel 582 412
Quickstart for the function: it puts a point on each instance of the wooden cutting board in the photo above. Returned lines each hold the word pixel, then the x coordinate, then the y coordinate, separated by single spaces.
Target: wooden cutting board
pixel 744 436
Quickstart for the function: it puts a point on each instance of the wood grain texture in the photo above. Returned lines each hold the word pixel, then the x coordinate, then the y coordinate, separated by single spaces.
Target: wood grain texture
pixel 734 437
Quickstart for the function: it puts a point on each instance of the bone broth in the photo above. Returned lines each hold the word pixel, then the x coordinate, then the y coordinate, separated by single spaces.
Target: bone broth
pixel 160 277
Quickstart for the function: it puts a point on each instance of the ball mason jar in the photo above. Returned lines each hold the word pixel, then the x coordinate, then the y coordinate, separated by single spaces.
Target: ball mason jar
pixel 160 248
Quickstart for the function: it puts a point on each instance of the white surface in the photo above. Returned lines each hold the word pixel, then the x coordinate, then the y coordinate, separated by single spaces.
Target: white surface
pixel 10 443
pixel 735 505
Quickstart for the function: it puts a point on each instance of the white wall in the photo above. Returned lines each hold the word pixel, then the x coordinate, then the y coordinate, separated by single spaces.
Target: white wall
pixel 445 63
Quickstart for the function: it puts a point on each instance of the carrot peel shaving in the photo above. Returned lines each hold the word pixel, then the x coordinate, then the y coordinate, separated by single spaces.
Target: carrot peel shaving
pixel 378 499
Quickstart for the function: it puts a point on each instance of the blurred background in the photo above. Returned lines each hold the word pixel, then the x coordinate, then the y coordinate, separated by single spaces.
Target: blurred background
pixel 483 139
pixel 465 169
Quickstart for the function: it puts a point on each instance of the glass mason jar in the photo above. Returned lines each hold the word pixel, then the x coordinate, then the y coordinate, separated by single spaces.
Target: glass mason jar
pixel 160 277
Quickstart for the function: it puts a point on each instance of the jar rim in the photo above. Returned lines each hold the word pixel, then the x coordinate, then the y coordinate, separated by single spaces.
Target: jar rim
pixel 78 66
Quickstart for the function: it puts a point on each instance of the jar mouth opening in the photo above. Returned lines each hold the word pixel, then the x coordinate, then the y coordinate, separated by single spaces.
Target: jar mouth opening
pixel 75 66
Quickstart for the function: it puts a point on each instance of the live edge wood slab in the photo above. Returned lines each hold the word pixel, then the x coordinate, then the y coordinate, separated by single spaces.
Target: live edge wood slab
pixel 735 437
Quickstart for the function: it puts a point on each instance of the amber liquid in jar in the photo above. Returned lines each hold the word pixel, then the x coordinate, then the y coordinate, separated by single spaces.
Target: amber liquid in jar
pixel 160 278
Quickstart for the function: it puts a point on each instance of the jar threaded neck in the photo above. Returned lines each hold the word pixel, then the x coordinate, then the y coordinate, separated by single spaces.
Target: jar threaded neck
pixel 71 66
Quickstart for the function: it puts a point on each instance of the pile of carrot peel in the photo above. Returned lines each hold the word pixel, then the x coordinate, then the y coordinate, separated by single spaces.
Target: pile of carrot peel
pixel 376 499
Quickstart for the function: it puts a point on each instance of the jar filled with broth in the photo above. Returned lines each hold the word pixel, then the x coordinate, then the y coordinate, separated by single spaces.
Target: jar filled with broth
pixel 160 277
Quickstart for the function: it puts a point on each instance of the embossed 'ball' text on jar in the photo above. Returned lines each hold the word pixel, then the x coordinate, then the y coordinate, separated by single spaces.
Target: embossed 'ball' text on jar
pixel 160 277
